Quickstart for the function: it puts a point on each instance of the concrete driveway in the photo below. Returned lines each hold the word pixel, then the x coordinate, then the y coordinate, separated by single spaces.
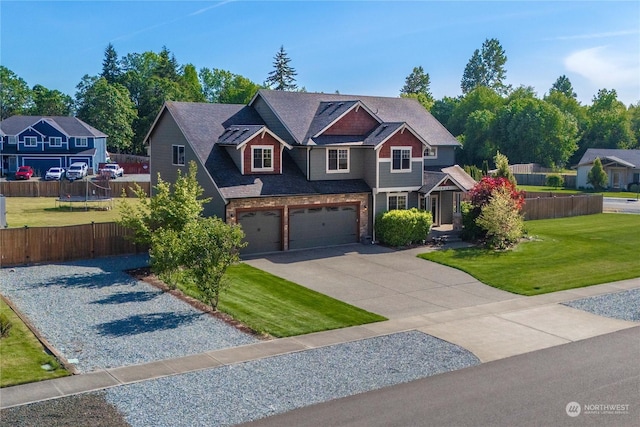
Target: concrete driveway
pixel 395 284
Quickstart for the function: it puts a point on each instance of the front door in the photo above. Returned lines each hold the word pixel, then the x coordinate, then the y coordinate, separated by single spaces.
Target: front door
pixel 615 175
pixel 435 208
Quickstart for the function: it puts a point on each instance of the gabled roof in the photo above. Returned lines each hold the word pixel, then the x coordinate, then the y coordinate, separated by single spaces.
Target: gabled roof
pixel 457 175
pixel 70 126
pixel 330 113
pixel 237 136
pixel 628 158
pixel 297 111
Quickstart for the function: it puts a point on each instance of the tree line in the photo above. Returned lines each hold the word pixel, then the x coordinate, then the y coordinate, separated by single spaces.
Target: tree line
pixel 489 116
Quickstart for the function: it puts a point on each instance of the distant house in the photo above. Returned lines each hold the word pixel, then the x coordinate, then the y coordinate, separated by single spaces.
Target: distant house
pixel 43 142
pixel 622 167
pixel 300 170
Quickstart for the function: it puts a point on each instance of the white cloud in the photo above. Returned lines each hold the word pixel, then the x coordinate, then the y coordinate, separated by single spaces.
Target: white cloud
pixel 604 67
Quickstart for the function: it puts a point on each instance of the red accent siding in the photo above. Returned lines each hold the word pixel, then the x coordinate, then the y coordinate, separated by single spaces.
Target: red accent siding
pixel 353 123
pixel 268 140
pixel 405 139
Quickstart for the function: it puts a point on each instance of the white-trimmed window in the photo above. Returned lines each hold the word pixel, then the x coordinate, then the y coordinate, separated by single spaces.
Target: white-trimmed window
pixel 12 139
pixel 262 158
pixel 337 160
pixel 178 155
pixel 397 201
pixel 401 159
pixel 431 153
pixel 55 141
pixel 30 141
pixel 81 142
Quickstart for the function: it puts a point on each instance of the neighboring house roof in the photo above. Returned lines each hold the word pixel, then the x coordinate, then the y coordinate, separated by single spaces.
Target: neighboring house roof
pixel 628 158
pixel 298 110
pixel 70 126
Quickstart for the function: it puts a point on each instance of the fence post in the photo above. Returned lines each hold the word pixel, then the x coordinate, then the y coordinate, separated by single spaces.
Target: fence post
pixel 93 239
pixel 26 244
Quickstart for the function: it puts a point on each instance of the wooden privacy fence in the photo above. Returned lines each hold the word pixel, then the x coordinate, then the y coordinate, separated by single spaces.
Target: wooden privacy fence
pixel 562 206
pixel 64 188
pixel 22 246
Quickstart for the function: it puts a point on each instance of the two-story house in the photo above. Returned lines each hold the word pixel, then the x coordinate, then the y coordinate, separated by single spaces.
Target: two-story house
pixel 300 170
pixel 44 142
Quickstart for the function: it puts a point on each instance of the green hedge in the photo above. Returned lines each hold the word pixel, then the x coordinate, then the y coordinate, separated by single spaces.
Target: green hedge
pixel 403 227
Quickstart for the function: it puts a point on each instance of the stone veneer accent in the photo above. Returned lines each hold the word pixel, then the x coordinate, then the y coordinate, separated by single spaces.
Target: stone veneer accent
pixel 284 203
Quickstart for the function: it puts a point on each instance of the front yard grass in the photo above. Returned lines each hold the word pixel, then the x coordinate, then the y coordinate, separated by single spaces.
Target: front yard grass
pixel 562 254
pixel 22 355
pixel 569 191
pixel 270 304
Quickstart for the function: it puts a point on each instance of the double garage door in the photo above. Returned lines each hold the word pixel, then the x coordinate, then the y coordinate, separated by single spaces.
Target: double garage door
pixel 309 227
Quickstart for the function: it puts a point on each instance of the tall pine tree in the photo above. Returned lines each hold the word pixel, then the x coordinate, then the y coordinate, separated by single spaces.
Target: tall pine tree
pixel 283 75
pixel 111 65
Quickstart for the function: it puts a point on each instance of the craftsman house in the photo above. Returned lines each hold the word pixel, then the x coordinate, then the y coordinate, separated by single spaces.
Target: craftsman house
pixel 622 167
pixel 300 170
pixel 44 142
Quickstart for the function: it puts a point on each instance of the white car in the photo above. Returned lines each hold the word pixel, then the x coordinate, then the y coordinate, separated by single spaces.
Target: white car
pixel 112 170
pixel 77 170
pixel 54 174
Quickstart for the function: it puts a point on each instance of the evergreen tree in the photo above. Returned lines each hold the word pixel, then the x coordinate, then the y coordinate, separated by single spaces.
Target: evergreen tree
pixel 417 86
pixel 597 176
pixel 283 75
pixel 563 85
pixel 486 68
pixel 473 71
pixel 111 65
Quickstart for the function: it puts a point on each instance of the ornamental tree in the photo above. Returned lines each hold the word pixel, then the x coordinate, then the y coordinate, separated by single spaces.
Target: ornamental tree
pixel 597 176
pixel 501 220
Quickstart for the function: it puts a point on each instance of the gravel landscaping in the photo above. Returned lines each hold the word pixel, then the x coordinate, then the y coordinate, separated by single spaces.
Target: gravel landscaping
pixel 623 305
pixel 252 390
pixel 94 312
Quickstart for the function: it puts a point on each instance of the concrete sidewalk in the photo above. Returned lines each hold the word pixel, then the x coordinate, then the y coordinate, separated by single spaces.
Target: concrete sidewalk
pixel 491 330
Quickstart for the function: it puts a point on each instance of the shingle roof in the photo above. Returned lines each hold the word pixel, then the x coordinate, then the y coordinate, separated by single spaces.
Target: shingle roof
pixel 631 157
pixel 71 126
pixel 433 178
pixel 460 176
pixel 236 135
pixel 298 109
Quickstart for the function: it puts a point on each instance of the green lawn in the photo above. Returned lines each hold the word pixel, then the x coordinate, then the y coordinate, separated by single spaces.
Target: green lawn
pixel 563 254
pixel 22 355
pixel 267 303
pixel 617 194
pixel 42 212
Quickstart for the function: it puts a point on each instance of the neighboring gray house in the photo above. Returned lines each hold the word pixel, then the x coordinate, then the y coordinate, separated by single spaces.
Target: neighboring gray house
pixel 622 167
pixel 300 170
pixel 47 141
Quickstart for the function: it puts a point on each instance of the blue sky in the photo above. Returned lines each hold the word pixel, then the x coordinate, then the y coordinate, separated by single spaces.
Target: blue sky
pixel 356 47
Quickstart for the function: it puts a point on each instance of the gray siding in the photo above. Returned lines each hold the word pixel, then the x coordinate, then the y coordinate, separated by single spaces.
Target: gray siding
pixel 318 156
pixel 381 202
pixel 272 121
pixel 446 157
pixel 166 135
pixel 409 179
pixel 446 207
pixel 236 156
pixel 299 156
pixel 370 168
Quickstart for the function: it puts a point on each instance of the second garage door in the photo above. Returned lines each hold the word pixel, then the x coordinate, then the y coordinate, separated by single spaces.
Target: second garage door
pixel 263 231
pixel 323 226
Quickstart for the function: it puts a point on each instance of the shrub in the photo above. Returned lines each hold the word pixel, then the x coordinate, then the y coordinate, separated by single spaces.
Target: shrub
pixel 470 230
pixel 403 227
pixel 597 176
pixel 5 325
pixel 555 181
pixel 501 220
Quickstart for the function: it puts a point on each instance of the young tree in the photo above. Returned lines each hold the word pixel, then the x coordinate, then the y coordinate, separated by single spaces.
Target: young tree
pixel 417 86
pixel 597 176
pixel 501 220
pixel 502 168
pixel 282 77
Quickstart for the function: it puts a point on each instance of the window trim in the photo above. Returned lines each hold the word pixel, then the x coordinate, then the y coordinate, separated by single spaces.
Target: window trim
pixel 398 195
pixel 55 141
pixel 401 149
pixel 27 141
pixel 82 142
pixel 435 153
pixel 175 155
pixel 338 170
pixel 254 148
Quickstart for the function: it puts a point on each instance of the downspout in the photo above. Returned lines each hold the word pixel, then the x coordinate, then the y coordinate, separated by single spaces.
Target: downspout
pixel 373 216
pixel 308 162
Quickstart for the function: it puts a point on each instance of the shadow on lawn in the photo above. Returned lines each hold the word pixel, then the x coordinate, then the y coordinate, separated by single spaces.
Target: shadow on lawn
pixel 141 323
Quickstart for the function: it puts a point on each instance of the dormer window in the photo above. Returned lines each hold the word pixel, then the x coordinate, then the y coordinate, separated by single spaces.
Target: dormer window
pixel 262 158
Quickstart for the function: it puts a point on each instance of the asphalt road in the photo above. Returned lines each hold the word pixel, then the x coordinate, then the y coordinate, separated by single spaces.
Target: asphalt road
pixel 630 205
pixel 533 389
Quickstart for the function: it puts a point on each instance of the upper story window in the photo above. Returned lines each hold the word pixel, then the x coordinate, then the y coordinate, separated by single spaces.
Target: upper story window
pixel 55 141
pixel 262 159
pixel 337 160
pixel 431 153
pixel 12 139
pixel 178 155
pixel 401 159
pixel 81 142
pixel 397 201
pixel 30 141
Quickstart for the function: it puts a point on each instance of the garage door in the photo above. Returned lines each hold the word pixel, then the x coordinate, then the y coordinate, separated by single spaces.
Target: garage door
pixel 323 226
pixel 262 231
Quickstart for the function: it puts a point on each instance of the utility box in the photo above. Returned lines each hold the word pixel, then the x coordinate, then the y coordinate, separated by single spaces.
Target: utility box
pixel 3 212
